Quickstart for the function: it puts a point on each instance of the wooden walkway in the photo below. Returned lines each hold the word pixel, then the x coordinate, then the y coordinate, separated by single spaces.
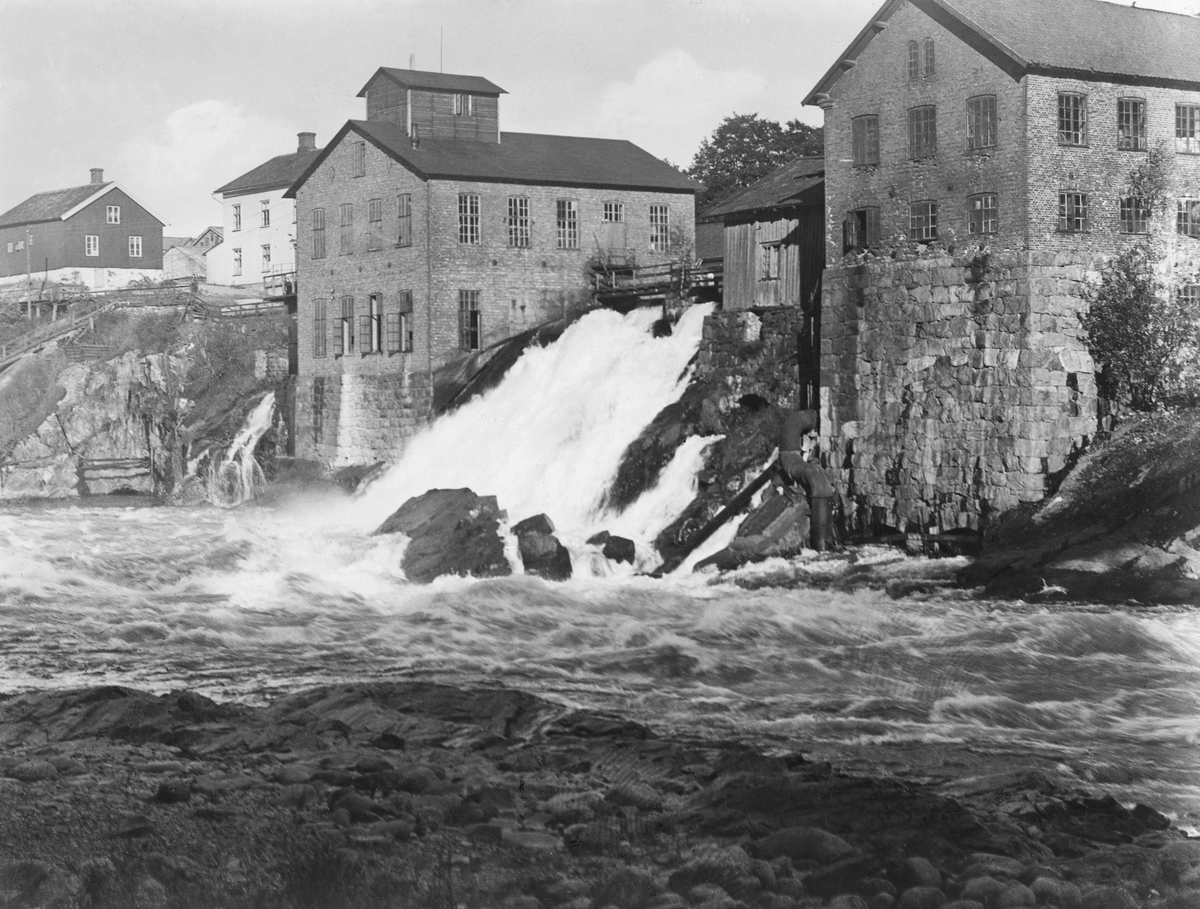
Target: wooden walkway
pixel 648 284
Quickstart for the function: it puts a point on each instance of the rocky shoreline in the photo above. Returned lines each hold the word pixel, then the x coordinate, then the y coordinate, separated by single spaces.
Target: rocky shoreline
pixel 422 795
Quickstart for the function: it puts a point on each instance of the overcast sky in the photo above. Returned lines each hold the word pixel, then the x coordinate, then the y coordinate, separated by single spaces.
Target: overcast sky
pixel 175 97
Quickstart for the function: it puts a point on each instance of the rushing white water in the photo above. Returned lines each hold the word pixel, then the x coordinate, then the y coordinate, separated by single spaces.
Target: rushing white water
pixel 549 438
pixel 236 477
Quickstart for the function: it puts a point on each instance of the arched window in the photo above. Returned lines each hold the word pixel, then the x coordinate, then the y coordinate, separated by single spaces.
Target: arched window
pixel 930 68
pixel 914 61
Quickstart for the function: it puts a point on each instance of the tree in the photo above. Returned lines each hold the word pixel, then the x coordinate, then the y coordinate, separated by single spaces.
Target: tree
pixel 1142 330
pixel 744 148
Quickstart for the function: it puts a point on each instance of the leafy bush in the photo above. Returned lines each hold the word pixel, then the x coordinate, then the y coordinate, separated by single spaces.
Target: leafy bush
pixel 1142 331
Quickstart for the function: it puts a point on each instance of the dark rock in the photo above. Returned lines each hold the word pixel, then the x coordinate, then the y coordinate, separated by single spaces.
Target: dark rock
pixel 451 531
pixel 919 872
pixel 373 765
pixel 846 875
pixel 629 887
pixel 1053 892
pixel 765 874
pixel 619 549
pixel 1014 897
pixel 723 867
pixel 1149 818
pixel 68 766
pixel 636 795
pixel 388 741
pixel 803 844
pixel 537 524
pixel 32 771
pixel 985 863
pixel 1108 898
pixel 704 893
pixel 985 889
pixel 486 833
pixel 361 809
pixel 173 791
pixel 335 777
pixel 544 556
pixel 921 898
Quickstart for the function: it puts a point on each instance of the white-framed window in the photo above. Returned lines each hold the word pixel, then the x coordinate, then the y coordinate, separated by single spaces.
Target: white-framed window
pixel 981 122
pixel 1131 124
pixel 468 219
pixel 1187 128
pixel 469 321
pixel 923 221
pixel 1190 294
pixel 237 261
pixel 91 245
pixel 266 257
pixel 860 230
pixel 1072 212
pixel 518 222
pixel 112 214
pixel 614 212
pixel 1135 215
pixel 1187 218
pixel 930 68
pixel 464 105
pixel 343 339
pixel 135 247
pixel 914 61
pixel 265 213
pixel 1072 119
pixel 769 267
pixel 660 228
pixel 237 217
pixel 566 223
pixel 399 325
pixel 982 215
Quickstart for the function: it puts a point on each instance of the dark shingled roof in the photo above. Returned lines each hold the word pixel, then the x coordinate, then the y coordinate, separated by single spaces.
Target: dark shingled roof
pixel 49 206
pixel 446 82
pixel 277 173
pixel 1088 39
pixel 799 182
pixel 525 158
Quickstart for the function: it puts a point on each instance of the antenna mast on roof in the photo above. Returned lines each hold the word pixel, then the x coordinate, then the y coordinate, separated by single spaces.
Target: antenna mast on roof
pixel 412 60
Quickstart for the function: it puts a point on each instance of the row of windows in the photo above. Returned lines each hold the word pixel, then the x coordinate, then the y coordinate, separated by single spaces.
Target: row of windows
pixel 861 227
pixel 922 131
pixel 265 256
pixel 91 246
pixel 264 214
pixel 1131 123
pixel 518 224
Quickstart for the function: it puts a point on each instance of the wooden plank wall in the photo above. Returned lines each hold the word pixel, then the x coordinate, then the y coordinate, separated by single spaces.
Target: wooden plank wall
pixel 434 113
pixel 801 258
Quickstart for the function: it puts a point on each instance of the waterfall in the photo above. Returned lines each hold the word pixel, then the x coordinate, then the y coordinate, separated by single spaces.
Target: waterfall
pixel 550 437
pixel 237 477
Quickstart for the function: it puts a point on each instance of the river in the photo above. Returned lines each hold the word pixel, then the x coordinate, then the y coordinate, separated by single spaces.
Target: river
pixel 248 602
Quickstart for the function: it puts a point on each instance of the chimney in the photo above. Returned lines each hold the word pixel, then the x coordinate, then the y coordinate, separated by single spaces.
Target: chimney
pixel 308 142
pixel 97 174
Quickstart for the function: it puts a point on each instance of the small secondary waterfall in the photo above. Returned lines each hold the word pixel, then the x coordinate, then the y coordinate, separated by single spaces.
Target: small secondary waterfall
pixel 550 437
pixel 237 477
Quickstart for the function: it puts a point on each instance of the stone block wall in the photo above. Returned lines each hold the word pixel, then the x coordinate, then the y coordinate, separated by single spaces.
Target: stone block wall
pixel 752 352
pixel 952 392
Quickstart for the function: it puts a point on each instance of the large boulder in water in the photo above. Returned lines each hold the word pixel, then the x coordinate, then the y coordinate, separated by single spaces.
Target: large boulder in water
pixel 451 531
pixel 541 552
pixel 778 527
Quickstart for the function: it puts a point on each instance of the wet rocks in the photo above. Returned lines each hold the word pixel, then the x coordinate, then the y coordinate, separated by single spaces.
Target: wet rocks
pixel 541 552
pixel 451 531
pixel 614 548
pixel 803 844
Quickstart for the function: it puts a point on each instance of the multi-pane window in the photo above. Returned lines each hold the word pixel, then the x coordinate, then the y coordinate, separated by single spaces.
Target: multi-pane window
pixel 1072 212
pixel 981 122
pixel 930 69
pixel 566 224
pixel 343 335
pixel 318 233
pixel 1187 128
pixel 237 217
pixel 265 213
pixel 1189 294
pixel 923 221
pixel 1135 215
pixel 468 219
pixel 237 261
pixel 861 229
pixel 864 133
pixel 518 222
pixel 319 336
pixel 375 223
pixel 914 61
pixel 112 214
pixel 769 265
pixel 370 326
pixel 399 326
pixel 404 220
pixel 464 105
pixel 614 212
pixel 135 247
pixel 266 257
pixel 360 159
pixel 346 225
pixel 660 228
pixel 91 245
pixel 468 319
pixel 1072 119
pixel 1187 218
pixel 922 131
pixel 982 216
pixel 1131 124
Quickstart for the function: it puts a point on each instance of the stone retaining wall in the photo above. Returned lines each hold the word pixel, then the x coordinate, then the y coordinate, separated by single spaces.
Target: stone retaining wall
pixel 753 352
pixel 952 391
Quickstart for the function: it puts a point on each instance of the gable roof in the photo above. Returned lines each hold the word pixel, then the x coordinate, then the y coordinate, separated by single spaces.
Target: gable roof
pixel 522 158
pixel 1090 39
pixel 447 82
pixel 277 173
pixel 61 204
pixel 799 182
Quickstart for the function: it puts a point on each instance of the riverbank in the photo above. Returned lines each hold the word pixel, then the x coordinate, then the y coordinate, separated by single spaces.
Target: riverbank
pixel 423 795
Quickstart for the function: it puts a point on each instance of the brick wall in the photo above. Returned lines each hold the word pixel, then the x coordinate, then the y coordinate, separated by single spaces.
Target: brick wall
pixel 952 394
pixel 518 288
